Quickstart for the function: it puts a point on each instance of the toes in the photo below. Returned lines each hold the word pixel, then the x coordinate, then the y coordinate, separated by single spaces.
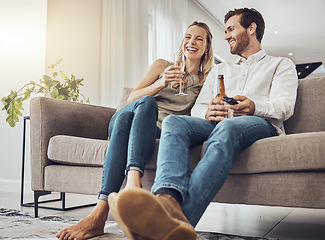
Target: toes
pixel 64 235
pixel 74 236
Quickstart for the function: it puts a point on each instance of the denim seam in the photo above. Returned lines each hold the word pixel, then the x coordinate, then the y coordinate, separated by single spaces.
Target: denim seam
pixel 169 185
pixel 134 167
pixel 103 197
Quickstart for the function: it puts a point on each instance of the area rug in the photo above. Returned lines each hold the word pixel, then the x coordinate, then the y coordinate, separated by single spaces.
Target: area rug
pixel 18 225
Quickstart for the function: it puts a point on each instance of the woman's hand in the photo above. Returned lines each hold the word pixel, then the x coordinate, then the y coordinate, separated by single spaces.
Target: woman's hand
pixel 171 74
pixel 149 85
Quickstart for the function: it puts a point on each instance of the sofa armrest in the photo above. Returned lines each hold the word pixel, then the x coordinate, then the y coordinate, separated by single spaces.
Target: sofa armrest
pixel 50 117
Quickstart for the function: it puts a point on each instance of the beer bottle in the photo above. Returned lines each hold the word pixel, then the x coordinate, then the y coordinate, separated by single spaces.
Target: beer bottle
pixel 221 92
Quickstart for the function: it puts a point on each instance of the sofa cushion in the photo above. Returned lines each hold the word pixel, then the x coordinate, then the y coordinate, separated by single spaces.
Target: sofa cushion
pixel 309 111
pixel 276 154
pixel 294 152
pixel 77 151
pixel 282 154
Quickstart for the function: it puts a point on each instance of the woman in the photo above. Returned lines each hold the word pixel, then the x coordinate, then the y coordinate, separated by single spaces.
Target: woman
pixel 134 128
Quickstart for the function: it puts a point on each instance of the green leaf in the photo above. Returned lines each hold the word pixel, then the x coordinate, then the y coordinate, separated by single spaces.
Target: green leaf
pixel 64 91
pixel 6 103
pixel 64 76
pixel 62 97
pixel 27 94
pixel 73 84
pixel 14 111
pixel 55 65
pixel 54 93
pixel 12 95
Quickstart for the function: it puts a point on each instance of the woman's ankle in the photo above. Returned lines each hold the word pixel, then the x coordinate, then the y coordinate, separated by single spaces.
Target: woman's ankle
pixel 133 179
pixel 101 210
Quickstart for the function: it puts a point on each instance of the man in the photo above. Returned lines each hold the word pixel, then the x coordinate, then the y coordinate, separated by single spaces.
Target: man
pixel 265 88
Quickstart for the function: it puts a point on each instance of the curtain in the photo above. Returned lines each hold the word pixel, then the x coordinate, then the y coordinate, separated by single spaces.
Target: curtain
pixel 168 23
pixel 134 34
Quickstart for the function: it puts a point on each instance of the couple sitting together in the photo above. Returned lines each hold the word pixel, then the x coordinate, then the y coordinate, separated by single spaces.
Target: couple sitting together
pixel 265 88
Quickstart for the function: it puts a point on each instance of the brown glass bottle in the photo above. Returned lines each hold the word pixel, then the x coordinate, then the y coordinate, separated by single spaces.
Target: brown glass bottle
pixel 221 92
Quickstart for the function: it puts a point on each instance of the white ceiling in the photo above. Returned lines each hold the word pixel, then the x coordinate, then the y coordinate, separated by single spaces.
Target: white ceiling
pixel 300 25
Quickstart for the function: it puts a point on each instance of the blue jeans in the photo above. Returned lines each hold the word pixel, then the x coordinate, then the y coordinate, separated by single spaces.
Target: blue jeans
pixel 132 134
pixel 225 141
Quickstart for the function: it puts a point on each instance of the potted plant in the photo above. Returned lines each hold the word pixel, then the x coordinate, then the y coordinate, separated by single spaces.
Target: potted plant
pixel 50 86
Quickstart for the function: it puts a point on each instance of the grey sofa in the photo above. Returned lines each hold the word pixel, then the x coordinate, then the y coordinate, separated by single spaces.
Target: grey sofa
pixel 69 142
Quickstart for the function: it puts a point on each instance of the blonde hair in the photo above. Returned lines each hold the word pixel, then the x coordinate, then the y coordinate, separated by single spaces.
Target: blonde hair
pixel 207 58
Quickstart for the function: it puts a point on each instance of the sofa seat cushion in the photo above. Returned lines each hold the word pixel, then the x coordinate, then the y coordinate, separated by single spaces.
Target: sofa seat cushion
pixel 77 151
pixel 277 154
pixel 293 152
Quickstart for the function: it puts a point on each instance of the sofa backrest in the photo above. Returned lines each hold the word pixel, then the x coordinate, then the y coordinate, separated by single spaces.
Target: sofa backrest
pixel 309 114
pixel 123 100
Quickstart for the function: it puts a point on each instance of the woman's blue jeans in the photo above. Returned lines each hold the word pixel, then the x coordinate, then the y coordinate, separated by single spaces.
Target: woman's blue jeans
pixel 132 134
pixel 225 141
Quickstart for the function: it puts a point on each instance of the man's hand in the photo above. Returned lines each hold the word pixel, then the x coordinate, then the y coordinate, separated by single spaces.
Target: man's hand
pixel 216 111
pixel 244 108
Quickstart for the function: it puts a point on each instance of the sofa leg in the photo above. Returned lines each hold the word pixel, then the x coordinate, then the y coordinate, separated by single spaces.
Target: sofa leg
pixel 62 197
pixel 36 203
pixel 38 194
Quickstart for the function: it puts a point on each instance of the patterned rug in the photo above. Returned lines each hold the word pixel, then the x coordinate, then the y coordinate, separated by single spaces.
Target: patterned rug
pixel 17 225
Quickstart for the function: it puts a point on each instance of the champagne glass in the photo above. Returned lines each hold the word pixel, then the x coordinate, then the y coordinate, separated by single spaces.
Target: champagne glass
pixel 180 61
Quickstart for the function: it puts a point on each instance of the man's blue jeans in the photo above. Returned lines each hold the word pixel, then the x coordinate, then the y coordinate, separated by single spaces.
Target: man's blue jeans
pixel 225 141
pixel 132 134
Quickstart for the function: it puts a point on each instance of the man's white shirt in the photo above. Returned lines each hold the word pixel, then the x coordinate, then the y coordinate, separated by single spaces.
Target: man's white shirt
pixel 270 82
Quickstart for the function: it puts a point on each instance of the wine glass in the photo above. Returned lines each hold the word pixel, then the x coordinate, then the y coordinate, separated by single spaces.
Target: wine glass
pixel 180 61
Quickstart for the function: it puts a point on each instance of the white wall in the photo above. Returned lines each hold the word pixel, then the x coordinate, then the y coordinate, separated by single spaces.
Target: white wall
pixel 22 59
pixel 74 34
pixel 220 46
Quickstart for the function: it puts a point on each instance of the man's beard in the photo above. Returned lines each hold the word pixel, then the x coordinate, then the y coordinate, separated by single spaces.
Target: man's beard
pixel 242 42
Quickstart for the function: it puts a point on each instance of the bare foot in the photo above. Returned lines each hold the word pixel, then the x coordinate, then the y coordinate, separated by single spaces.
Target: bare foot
pixel 91 226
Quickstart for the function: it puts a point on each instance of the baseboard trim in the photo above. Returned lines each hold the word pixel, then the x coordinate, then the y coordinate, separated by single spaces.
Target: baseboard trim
pixel 14 186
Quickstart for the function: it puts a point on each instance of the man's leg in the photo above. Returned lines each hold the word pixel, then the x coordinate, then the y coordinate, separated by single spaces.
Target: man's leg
pixel 160 216
pixel 227 140
pixel 179 134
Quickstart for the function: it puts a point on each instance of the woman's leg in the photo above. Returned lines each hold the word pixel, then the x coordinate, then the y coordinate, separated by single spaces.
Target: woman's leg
pixel 143 134
pixel 93 225
pixel 116 155
pixel 90 226
pixel 116 160
pixel 132 134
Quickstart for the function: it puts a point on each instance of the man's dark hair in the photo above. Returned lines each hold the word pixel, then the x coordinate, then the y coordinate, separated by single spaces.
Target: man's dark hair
pixel 248 16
